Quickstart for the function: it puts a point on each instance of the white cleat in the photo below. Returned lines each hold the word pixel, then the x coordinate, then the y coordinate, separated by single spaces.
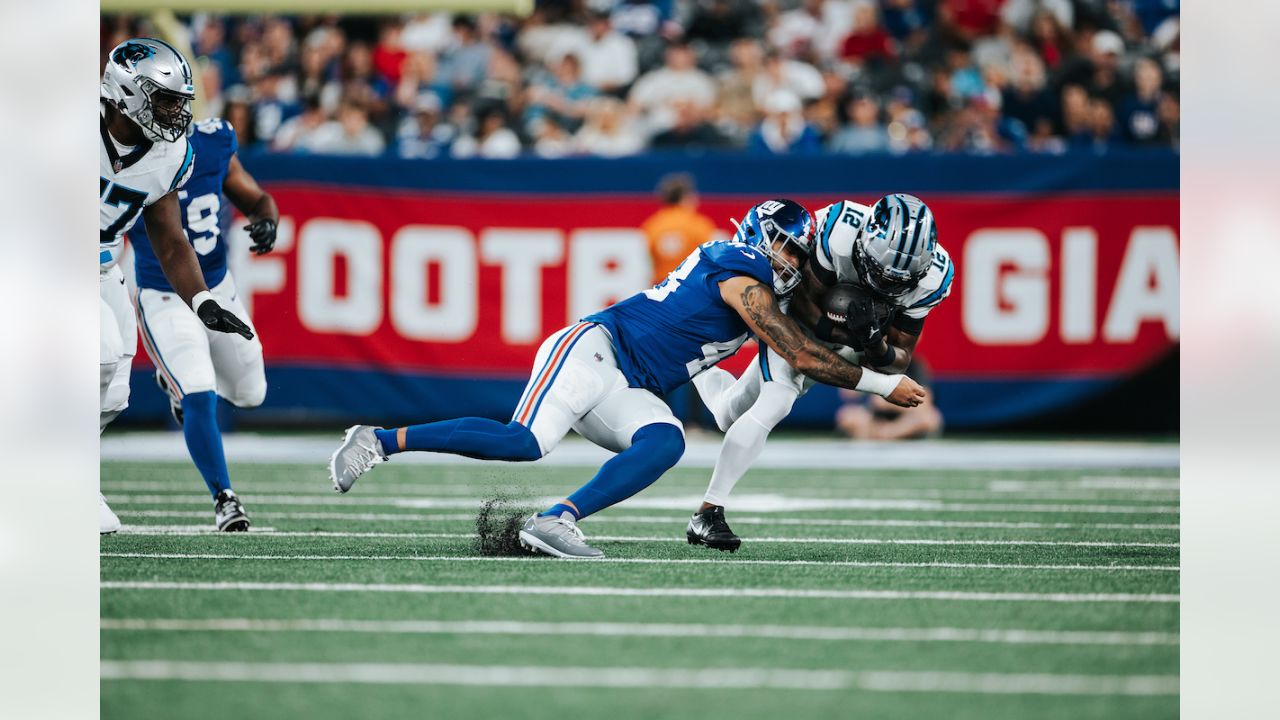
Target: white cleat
pixel 558 537
pixel 358 453
pixel 107 520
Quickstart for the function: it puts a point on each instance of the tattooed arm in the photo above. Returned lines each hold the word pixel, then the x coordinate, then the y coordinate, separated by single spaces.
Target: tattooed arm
pixel 758 307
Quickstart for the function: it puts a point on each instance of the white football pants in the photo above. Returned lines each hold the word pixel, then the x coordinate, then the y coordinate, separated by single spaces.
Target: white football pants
pixel 117 343
pixel 193 358
pixel 576 384
pixel 748 409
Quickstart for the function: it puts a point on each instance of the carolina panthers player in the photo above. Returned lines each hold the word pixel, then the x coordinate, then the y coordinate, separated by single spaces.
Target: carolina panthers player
pixel 890 250
pixel 144 158
pixel 194 365
pixel 604 376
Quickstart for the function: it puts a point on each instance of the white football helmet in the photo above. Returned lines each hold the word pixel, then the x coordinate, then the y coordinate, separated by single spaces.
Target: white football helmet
pixel 150 83
pixel 895 248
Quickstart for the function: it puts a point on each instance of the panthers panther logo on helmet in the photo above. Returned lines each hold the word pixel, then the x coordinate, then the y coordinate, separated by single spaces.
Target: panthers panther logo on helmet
pixel 149 82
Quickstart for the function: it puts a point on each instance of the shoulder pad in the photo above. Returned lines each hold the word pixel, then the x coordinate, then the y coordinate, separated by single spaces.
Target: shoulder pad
pixel 740 259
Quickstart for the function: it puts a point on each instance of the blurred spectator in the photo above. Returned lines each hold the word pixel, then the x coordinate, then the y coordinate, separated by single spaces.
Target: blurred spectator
pixel 736 102
pixel 561 95
pixel 1098 71
pixel 293 130
pixel 1100 132
pixel 1170 117
pixel 1140 112
pixel 1049 38
pixel 422 136
pixel 678 228
pixel 389 55
pixel 466 61
pixel 237 113
pixel 690 131
pixel 868 42
pixel 609 59
pixel 968 20
pixel 607 131
pixel 552 140
pixel 871 417
pixel 1021 15
pixel 211 43
pixel 864 133
pixel 1027 98
pixel 678 81
pixel 349 134
pixel 813 30
pixel 784 130
pixel 427 33
pixel 493 139
pixel 793 76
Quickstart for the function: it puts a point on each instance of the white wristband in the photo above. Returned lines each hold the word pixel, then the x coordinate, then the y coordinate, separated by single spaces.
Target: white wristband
pixel 199 299
pixel 878 383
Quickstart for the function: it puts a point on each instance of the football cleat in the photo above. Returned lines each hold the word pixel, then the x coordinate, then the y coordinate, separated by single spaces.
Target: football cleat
pixel 107 520
pixel 228 513
pixel 359 452
pixel 557 536
pixel 708 527
pixel 175 403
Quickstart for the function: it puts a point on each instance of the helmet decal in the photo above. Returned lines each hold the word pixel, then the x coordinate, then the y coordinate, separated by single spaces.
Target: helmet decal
pixel 129 54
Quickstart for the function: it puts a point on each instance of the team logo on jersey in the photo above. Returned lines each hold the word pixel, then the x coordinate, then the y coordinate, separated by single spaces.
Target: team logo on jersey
pixel 130 54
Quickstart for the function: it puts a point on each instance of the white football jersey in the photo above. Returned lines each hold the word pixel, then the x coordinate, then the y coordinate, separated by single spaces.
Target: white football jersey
pixel 131 181
pixel 838 227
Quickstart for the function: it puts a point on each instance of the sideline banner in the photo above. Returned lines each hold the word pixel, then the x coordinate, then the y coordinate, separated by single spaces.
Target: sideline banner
pixel 404 290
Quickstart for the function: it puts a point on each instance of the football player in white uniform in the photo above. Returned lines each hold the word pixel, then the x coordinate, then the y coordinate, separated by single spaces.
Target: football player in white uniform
pixel 873 278
pixel 144 158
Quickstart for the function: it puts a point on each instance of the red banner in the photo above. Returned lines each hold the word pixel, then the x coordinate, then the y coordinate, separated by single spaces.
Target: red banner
pixel 470 284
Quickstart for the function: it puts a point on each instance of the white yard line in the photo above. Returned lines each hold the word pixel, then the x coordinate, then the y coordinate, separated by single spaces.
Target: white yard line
pixel 1006 684
pixel 615 517
pixel 1084 485
pixel 685 592
pixel 639 561
pixel 147 530
pixel 636 677
pixel 1046 491
pixel 821 633
pixel 761 503
pixel 702 453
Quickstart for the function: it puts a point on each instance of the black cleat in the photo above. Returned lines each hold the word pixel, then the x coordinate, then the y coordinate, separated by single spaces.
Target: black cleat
pixel 175 404
pixel 228 513
pixel 708 527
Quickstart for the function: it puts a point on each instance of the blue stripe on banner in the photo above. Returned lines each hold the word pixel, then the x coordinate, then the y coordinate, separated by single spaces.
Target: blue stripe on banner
pixel 559 366
pixel 151 340
pixel 936 295
pixel 764 363
pixel 526 398
pixel 730 174
pixel 825 236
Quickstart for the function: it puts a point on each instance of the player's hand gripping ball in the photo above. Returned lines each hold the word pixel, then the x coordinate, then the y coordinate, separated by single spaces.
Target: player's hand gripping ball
pixel 858 310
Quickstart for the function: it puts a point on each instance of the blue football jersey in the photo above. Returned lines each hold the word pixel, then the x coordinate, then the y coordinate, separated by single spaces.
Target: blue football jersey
pixel 206 216
pixel 675 330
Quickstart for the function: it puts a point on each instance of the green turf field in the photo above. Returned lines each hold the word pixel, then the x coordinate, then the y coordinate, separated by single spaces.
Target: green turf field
pixel 910 594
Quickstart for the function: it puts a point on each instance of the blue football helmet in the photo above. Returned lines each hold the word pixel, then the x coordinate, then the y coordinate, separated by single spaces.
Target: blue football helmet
pixel 779 220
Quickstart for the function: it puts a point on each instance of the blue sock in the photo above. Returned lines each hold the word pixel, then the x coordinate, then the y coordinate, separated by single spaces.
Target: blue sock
pixel 472 437
pixel 204 440
pixel 654 450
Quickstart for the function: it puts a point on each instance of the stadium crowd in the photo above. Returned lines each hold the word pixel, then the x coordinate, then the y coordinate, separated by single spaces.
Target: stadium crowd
pixel 617 77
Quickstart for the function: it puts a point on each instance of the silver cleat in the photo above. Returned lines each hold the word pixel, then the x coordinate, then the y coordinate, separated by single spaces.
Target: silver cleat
pixel 358 453
pixel 558 537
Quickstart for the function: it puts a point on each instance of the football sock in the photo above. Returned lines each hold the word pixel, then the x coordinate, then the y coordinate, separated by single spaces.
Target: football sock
pixel 654 449
pixel 745 440
pixel 472 437
pixel 204 440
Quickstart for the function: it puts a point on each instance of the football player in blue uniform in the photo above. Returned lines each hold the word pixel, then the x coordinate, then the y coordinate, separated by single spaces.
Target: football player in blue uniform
pixel 143 161
pixel 876 273
pixel 604 376
pixel 193 365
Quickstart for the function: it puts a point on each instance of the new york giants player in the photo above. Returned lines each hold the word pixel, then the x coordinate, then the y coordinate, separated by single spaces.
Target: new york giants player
pixel 890 249
pixel 143 160
pixel 604 376
pixel 194 365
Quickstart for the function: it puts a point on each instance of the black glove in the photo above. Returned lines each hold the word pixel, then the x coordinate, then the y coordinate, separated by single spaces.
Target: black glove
pixel 219 319
pixel 263 233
